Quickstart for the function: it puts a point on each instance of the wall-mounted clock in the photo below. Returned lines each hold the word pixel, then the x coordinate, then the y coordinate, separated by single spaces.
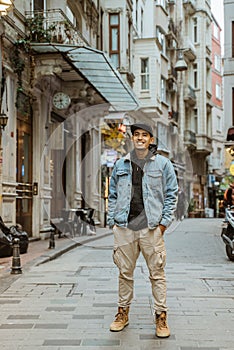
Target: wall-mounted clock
pixel 61 100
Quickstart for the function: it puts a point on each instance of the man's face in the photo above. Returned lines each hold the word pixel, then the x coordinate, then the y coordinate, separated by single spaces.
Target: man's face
pixel 141 139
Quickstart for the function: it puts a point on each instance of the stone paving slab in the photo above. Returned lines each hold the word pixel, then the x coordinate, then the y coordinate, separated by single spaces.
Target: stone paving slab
pixel 69 303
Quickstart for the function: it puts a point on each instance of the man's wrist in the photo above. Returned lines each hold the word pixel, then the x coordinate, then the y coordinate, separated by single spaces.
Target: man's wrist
pixel 162 228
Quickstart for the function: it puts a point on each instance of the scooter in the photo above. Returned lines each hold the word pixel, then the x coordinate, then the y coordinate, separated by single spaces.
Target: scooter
pixel 228 232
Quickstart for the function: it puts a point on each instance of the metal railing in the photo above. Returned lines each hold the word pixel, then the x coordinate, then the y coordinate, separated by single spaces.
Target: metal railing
pixel 53 26
pixel 189 93
pixel 190 137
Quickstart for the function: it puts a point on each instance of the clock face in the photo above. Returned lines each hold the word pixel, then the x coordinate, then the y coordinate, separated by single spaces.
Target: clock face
pixel 61 100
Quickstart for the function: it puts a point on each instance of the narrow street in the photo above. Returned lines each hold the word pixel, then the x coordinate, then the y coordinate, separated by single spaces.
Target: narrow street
pixel 70 302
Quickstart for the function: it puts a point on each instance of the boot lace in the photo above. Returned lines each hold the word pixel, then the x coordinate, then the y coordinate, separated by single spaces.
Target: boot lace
pixel 162 322
pixel 119 317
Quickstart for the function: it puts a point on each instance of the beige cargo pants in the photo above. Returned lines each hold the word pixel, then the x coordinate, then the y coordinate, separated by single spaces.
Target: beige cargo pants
pixel 127 246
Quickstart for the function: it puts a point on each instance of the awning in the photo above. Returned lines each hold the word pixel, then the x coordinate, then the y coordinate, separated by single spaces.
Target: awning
pixel 95 66
pixel 119 117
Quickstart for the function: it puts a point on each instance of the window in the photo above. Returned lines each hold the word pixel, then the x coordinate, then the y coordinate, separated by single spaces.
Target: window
pixel 137 14
pixel 161 39
pixel 218 91
pixel 232 39
pixel 144 74
pixel 163 90
pixel 114 39
pixel 194 121
pixel 195 74
pixel 142 17
pixel 216 31
pixel 219 126
pixel 219 156
pixel 217 63
pixel 38 5
pixel 162 137
pixel 195 38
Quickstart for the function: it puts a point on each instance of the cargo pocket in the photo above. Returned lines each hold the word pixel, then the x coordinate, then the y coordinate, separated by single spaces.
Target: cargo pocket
pixel 161 259
pixel 158 240
pixel 116 257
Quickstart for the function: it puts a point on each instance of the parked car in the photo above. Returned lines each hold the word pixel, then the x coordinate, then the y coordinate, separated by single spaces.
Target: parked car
pixel 7 234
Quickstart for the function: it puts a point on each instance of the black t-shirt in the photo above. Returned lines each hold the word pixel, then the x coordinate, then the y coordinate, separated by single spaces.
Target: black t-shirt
pixel 137 219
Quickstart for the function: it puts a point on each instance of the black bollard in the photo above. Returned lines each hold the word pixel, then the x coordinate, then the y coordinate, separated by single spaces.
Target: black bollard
pixel 16 265
pixel 52 241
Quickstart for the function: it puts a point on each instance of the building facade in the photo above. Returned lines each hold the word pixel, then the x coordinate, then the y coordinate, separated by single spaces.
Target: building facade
pixel 177 96
pixel 228 63
pixel 58 87
pixel 75 76
pixel 216 159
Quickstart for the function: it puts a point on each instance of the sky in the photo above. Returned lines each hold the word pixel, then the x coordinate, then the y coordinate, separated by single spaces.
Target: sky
pixel 217 10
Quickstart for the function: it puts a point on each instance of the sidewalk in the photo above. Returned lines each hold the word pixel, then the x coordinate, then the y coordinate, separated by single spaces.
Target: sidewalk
pixel 70 302
pixel 39 252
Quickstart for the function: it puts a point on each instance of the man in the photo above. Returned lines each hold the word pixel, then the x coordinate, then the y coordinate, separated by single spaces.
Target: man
pixel 142 199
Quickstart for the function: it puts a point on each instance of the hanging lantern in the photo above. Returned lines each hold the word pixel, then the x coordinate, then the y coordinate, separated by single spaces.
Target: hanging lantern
pixel 181 65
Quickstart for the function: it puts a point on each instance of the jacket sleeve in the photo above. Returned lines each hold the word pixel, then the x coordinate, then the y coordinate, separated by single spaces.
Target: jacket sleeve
pixel 170 194
pixel 112 198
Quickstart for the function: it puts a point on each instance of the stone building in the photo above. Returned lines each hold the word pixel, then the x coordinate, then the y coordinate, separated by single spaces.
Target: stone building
pixel 58 87
pixel 75 75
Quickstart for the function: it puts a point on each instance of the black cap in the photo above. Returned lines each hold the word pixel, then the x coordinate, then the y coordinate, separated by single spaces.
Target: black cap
pixel 142 126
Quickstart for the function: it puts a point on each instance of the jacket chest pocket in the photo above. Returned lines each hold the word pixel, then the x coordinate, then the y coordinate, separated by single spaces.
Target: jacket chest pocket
pixel 154 179
pixel 122 175
pixel 122 180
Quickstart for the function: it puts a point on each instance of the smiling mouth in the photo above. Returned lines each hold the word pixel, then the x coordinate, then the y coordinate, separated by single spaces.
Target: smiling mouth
pixel 140 144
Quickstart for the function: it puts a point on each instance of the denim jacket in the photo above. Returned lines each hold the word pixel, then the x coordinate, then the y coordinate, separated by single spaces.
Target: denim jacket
pixel 159 190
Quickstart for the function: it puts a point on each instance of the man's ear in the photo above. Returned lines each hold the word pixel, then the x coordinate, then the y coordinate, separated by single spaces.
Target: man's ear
pixel 152 140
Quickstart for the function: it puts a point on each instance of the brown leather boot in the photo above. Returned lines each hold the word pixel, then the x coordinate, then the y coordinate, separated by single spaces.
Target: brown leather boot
pixel 121 320
pixel 162 329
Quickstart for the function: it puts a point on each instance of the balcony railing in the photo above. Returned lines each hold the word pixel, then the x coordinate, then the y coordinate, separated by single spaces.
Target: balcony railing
pixel 190 137
pixel 189 95
pixel 53 26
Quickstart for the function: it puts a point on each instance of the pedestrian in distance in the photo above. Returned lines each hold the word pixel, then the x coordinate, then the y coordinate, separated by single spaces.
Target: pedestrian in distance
pixel 181 205
pixel 141 204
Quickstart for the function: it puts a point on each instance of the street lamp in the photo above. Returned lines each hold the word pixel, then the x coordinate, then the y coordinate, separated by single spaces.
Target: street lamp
pixel 181 65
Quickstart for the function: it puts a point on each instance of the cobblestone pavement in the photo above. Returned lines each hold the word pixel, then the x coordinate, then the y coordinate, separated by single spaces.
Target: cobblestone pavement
pixel 70 301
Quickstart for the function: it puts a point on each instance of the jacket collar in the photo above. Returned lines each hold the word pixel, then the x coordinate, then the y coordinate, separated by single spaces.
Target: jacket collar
pixel 128 157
